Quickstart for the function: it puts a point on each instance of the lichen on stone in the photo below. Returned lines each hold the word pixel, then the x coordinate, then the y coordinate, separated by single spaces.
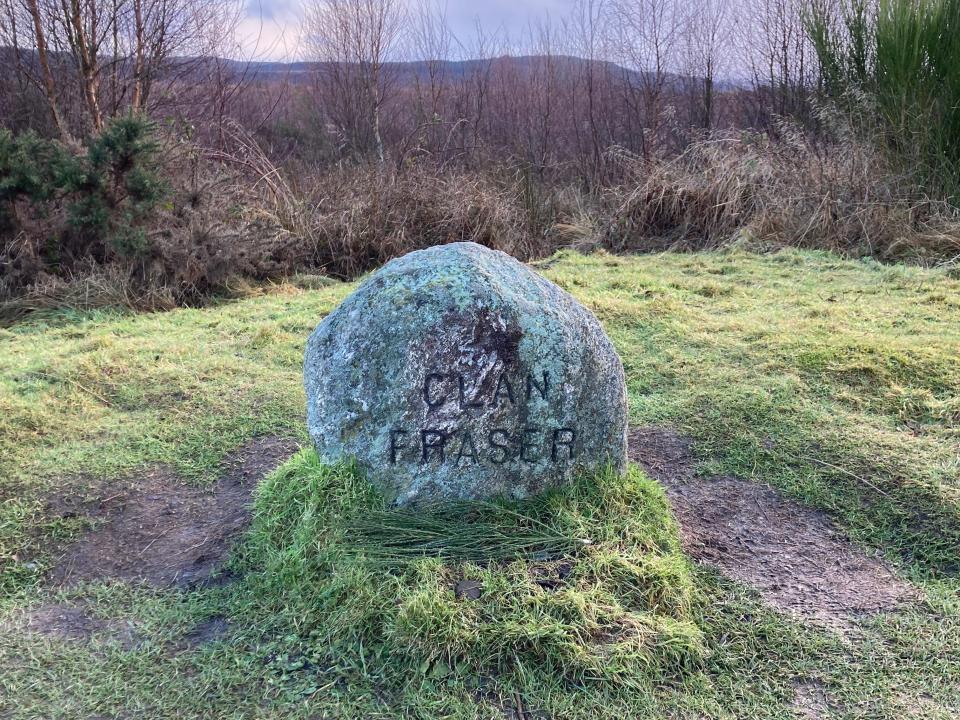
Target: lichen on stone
pixel 458 372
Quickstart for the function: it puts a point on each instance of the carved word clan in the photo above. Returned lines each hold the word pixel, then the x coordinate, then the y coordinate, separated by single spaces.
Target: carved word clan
pixel 519 440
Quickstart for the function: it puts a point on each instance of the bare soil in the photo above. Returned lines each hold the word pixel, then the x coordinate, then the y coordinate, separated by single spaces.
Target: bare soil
pixel 207 631
pixel 154 528
pixel 811 701
pixel 793 555
pixel 74 623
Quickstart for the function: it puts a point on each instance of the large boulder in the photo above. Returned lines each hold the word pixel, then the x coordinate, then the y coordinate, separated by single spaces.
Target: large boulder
pixel 457 372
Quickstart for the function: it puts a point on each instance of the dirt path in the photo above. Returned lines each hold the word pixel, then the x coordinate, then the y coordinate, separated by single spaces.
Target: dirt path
pixel 154 528
pixel 793 555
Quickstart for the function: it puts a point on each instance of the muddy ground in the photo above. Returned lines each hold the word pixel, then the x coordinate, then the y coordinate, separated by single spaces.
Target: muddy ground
pixel 154 528
pixel 794 556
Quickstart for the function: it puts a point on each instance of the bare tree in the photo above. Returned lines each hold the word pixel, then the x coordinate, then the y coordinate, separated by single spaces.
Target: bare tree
pixel 69 48
pixel 543 92
pixel 44 79
pixel 780 58
pixel 430 43
pixel 481 52
pixel 590 35
pixel 648 40
pixel 354 40
pixel 707 24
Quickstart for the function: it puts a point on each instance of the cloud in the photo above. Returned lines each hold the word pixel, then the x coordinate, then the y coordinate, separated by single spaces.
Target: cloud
pixel 509 16
pixel 272 9
pixel 271 28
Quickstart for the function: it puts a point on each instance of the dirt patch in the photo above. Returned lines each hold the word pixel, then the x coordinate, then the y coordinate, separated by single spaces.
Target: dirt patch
pixel 154 528
pixel 665 454
pixel 793 555
pixel 208 631
pixel 810 701
pixel 76 624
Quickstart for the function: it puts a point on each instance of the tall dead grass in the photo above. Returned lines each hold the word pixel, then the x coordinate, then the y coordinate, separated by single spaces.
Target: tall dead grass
pixel 844 197
pixel 238 219
pixel 347 220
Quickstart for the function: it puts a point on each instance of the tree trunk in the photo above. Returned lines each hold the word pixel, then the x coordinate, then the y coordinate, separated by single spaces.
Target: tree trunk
pixel 86 58
pixel 49 87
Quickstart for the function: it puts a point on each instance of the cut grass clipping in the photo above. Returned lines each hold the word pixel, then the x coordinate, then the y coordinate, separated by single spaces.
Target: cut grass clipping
pixel 583 584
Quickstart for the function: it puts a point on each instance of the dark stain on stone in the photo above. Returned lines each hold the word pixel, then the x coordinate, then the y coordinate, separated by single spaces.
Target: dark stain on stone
pixel 490 337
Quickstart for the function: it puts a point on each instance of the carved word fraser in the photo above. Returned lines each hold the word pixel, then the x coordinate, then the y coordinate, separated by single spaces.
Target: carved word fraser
pixel 464 446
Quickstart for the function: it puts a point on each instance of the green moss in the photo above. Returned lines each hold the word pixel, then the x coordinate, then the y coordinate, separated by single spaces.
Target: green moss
pixel 621 607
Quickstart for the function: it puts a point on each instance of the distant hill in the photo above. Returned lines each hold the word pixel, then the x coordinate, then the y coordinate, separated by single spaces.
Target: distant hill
pixel 406 72
pixel 419 70
pixel 450 69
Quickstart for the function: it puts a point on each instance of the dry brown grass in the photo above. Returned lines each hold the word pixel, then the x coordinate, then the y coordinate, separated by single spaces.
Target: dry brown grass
pixel 788 192
pixel 117 285
pixel 348 220
pixel 237 219
pixel 90 287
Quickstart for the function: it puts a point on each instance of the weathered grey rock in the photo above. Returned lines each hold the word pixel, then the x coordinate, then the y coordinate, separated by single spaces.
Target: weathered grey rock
pixel 457 372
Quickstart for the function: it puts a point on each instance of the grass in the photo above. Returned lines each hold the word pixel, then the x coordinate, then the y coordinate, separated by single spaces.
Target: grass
pixel 898 61
pixel 617 612
pixel 835 380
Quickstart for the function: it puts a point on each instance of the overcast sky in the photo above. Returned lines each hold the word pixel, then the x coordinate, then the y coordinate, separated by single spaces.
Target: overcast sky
pixel 270 28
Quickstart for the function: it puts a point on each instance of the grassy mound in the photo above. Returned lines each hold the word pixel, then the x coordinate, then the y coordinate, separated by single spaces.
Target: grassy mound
pixel 583 584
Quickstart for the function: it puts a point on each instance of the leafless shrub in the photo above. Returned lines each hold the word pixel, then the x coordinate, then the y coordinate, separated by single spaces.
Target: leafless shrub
pixel 353 220
pixel 346 221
